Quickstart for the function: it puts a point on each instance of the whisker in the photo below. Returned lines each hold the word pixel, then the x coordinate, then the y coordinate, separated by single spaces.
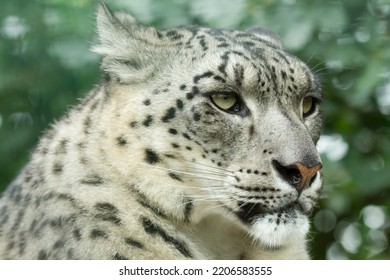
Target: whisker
pixel 209 166
pixel 203 178
pixel 314 68
pixel 197 175
pixel 209 188
pixel 310 58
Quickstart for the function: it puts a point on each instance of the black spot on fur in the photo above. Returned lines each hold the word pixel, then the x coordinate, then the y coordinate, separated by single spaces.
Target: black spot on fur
pixel 68 198
pixel 147 102
pixel 134 243
pixel 61 221
pixel 175 145
pixel 197 116
pixel 133 124
pixel 197 78
pixel 148 121
pixel 33 226
pixel 251 130
pixel 83 160
pixel 174 35
pixel 185 135
pixel 59 244
pixel 42 255
pixel 62 147
pixel 92 180
pixel 98 233
pixel 106 207
pixel 202 42
pixel 121 140
pixel 170 114
pixel 118 256
pixel 159 34
pixel 81 145
pixel 284 75
pixel 107 212
pixel 238 74
pixel 192 93
pixel 222 66
pixel 188 202
pixel 153 229
pixel 18 220
pixel 28 175
pixel 183 87
pixel 219 79
pixel 87 125
pixel 57 168
pixel 172 131
pixel 144 201
pixel 76 234
pixel 169 156
pixel 155 209
pixel 223 45
pixel 174 176
pixel 179 104
pixel 151 157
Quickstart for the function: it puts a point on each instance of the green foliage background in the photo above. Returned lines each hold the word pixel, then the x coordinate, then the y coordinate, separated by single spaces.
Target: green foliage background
pixel 45 65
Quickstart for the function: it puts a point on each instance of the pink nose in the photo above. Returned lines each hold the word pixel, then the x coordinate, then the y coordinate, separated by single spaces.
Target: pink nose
pixel 297 174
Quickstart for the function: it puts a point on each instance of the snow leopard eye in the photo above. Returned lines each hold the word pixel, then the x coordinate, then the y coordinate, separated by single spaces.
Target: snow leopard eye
pixel 309 105
pixel 227 101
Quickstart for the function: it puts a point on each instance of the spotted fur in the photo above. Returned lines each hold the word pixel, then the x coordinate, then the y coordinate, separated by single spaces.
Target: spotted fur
pixel 148 166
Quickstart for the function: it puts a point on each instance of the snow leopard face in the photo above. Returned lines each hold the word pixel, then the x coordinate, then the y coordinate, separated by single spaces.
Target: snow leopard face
pixel 228 116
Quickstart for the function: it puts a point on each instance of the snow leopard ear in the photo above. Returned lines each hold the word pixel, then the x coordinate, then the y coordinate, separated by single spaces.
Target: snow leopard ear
pixel 126 46
pixel 266 35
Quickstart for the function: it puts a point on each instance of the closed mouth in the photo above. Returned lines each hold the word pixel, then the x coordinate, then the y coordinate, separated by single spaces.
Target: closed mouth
pixel 250 212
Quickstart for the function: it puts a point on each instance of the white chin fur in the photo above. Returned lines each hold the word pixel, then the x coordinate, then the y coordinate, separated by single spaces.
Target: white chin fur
pixel 272 235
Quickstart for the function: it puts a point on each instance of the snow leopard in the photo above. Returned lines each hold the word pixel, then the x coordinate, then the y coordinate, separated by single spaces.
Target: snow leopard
pixel 198 143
